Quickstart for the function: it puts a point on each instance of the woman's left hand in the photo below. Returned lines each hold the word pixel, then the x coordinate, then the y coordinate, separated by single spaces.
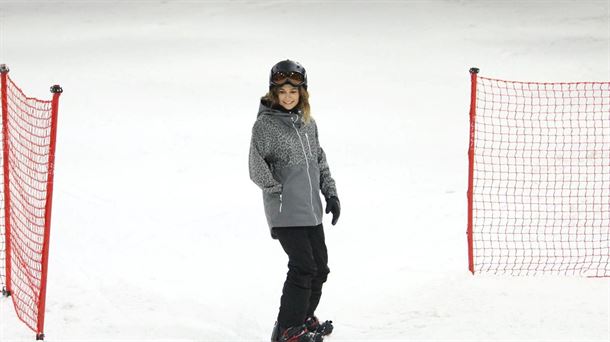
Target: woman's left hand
pixel 333 205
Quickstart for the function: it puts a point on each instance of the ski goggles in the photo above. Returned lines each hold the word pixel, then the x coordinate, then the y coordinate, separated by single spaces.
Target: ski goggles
pixel 294 78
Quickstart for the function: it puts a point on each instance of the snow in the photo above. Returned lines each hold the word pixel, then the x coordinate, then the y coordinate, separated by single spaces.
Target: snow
pixel 158 234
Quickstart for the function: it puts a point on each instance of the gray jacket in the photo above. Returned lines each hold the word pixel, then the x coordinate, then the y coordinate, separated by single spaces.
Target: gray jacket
pixel 288 164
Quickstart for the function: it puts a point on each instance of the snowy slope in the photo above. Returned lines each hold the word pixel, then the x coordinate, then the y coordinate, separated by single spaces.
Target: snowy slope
pixel 158 234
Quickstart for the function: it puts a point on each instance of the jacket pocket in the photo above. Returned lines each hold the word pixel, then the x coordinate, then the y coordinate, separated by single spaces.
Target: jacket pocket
pixel 273 205
pixel 308 144
pixel 297 204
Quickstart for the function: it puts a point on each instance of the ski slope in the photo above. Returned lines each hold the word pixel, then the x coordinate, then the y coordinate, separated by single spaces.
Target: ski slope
pixel 158 234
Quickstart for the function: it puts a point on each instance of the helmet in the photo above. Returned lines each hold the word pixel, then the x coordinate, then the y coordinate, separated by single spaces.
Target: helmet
pixel 288 72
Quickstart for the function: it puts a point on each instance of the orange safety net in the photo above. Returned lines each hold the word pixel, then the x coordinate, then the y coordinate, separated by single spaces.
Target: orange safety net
pixel 540 178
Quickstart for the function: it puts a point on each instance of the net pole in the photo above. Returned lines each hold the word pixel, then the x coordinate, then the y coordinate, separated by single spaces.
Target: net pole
pixel 7 208
pixel 56 90
pixel 473 105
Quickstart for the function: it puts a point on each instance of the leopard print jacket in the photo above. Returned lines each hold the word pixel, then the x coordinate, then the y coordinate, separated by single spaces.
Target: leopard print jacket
pixel 289 166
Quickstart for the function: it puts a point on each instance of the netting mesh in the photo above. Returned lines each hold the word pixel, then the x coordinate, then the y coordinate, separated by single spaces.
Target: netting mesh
pixel 29 129
pixel 541 182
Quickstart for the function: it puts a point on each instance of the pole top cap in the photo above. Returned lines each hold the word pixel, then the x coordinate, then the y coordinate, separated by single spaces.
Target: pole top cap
pixel 3 68
pixel 474 70
pixel 56 89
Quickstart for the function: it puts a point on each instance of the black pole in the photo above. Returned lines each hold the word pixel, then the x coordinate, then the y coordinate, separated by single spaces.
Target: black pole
pixel 56 89
pixel 474 70
pixel 3 69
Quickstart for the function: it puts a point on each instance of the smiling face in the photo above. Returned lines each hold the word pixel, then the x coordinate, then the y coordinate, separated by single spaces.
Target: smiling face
pixel 288 96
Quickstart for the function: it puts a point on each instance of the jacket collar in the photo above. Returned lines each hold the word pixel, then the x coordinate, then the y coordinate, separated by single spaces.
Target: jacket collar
pixel 288 117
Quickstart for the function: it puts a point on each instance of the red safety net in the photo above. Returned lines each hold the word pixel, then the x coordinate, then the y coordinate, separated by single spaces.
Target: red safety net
pixel 28 139
pixel 539 193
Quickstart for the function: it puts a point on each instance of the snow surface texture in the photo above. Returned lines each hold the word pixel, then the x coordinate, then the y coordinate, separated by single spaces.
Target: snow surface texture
pixel 158 234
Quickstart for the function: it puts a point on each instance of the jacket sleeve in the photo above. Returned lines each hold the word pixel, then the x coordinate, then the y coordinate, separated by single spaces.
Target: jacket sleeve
pixel 327 183
pixel 260 173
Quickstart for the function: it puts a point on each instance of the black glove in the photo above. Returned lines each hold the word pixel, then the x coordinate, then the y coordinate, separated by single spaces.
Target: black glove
pixel 333 205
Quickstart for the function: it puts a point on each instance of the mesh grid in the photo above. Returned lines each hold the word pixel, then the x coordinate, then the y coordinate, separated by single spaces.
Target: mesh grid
pixel 541 184
pixel 29 127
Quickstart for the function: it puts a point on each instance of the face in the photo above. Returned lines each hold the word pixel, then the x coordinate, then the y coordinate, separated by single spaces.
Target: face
pixel 288 96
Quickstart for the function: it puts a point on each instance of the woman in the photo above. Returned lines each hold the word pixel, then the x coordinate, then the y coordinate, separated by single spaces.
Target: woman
pixel 288 164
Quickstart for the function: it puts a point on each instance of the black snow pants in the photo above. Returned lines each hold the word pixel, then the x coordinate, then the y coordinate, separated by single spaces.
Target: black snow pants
pixel 307 271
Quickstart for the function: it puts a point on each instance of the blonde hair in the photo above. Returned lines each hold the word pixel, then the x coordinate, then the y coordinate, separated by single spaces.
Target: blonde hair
pixel 273 99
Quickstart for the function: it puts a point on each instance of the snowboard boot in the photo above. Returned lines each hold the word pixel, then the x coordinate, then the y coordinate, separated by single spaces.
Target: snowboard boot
pixel 294 334
pixel 313 324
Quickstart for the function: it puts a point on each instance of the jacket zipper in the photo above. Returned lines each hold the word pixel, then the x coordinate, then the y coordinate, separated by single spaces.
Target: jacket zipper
pixel 280 203
pixel 308 175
